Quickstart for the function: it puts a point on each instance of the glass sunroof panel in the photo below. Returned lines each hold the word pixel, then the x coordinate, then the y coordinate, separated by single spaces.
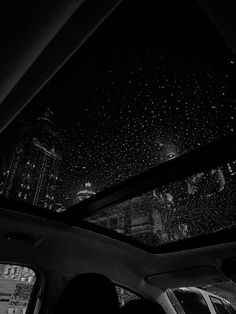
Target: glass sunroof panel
pixel 201 204
pixel 135 95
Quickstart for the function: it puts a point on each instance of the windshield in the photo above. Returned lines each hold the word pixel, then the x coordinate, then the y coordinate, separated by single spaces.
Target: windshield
pixel 150 85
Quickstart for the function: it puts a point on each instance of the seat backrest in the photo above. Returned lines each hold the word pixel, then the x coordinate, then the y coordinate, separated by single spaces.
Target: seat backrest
pixel 142 306
pixel 89 293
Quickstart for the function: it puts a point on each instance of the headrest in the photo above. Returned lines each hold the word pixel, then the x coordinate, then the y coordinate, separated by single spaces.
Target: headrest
pixel 89 293
pixel 142 306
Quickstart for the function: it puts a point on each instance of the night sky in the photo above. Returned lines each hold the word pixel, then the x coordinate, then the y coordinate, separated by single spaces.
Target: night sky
pixel 147 81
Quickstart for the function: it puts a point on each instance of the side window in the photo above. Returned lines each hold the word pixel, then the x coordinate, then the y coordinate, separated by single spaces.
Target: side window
pixel 125 295
pixel 174 301
pixel 229 307
pixel 16 286
pixel 218 306
pixel 191 301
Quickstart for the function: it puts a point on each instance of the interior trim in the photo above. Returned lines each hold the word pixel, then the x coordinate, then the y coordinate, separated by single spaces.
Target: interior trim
pixel 67 41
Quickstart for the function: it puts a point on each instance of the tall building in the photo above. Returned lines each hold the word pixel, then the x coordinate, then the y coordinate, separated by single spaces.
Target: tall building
pixel 34 167
pixel 138 218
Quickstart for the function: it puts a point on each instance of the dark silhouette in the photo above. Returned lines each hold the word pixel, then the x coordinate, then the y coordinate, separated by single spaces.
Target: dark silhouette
pixel 89 293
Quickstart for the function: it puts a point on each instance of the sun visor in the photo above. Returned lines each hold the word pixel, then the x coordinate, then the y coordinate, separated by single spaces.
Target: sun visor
pixel 189 277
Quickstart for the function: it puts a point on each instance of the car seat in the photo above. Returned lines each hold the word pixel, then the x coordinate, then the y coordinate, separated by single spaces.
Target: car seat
pixel 89 293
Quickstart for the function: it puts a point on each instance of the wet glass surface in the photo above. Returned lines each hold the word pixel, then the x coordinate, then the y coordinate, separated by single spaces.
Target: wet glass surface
pixel 201 204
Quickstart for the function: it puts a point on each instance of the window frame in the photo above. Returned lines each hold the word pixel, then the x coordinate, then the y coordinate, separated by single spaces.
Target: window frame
pixel 196 293
pixel 211 297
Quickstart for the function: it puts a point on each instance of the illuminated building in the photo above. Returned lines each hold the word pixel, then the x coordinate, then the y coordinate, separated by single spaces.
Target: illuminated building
pixel 32 175
pixel 84 193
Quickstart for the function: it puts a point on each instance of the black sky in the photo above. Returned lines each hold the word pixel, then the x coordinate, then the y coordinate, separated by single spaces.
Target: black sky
pixel 155 74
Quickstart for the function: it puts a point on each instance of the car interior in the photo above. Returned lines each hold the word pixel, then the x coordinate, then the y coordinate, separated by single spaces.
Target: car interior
pixel 118 156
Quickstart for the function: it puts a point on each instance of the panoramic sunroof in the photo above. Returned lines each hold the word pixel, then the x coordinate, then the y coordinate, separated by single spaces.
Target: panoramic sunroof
pixel 198 205
pixel 148 86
